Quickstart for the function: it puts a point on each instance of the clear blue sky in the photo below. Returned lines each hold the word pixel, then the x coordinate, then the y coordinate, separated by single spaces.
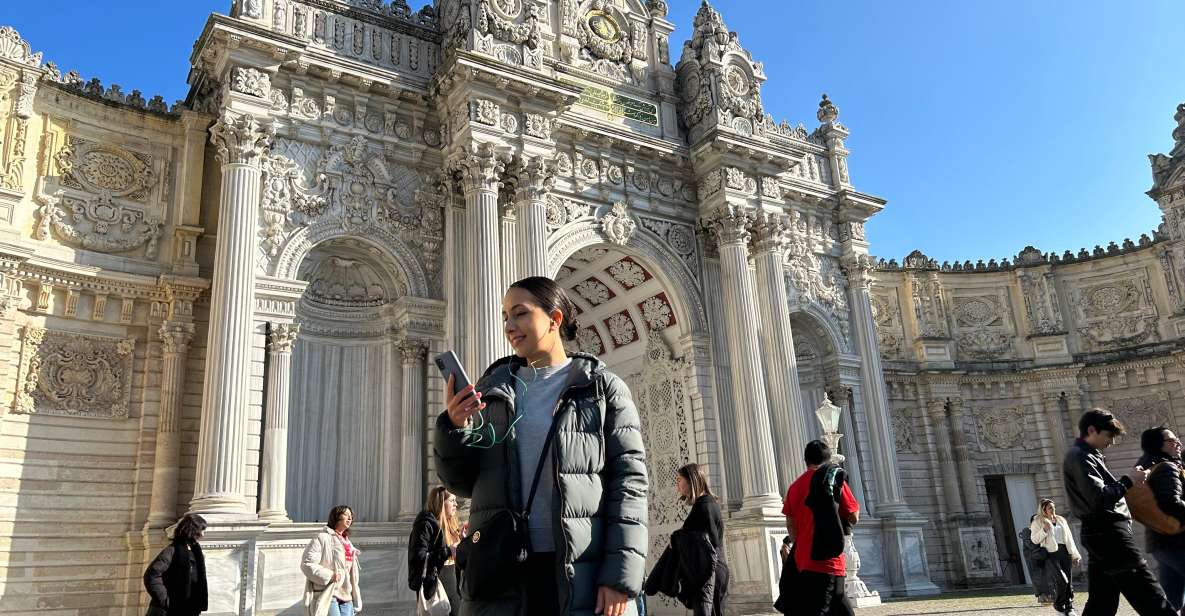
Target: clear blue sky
pixel 988 125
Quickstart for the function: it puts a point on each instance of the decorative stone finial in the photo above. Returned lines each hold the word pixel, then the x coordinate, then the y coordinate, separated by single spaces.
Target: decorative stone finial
pixel 828 112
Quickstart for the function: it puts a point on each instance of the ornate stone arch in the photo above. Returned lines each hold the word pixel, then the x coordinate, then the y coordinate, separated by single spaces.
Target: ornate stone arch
pixel 822 326
pixel 668 266
pixel 305 239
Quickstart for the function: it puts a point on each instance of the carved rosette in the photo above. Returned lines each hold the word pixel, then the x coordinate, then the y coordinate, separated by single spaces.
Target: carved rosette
pixel 175 337
pixel 241 140
pixel 1001 428
pixel 617 225
pixel 64 373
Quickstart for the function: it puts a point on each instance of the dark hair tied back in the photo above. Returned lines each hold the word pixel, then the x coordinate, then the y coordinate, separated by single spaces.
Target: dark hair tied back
pixel 551 296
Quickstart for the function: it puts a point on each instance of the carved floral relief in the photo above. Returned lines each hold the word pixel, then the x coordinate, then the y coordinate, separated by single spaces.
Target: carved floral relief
pixel 64 373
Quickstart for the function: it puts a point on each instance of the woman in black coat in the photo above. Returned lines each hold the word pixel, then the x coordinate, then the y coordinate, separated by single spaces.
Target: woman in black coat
pixel 705 517
pixel 176 578
pixel 434 538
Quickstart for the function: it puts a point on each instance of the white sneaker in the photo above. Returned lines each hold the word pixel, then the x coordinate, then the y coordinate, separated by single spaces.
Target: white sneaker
pixel 1070 612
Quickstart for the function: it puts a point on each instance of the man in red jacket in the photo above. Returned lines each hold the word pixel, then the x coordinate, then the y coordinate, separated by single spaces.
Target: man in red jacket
pixel 818 506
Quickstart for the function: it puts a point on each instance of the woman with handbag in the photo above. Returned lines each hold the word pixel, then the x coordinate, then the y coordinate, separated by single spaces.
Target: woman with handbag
pixel 705 517
pixel 1053 533
pixel 548 446
pixel 431 552
pixel 176 578
pixel 330 567
pixel 1162 456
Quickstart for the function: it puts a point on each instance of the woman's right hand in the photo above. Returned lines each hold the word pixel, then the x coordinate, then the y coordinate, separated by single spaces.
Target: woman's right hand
pixel 337 576
pixel 463 405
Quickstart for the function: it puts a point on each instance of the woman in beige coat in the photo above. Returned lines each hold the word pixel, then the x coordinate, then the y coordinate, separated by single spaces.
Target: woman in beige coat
pixel 1052 532
pixel 330 567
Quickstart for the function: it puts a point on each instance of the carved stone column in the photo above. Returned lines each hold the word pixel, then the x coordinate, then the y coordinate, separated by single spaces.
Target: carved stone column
pixel 480 171
pixel 758 478
pixel 535 181
pixel 876 399
pixel 411 482
pixel 777 346
pixel 222 443
pixel 967 479
pixel 951 494
pixel 162 507
pixel 273 470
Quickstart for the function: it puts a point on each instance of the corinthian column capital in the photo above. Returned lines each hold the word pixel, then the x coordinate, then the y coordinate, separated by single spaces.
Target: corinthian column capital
pixel 729 224
pixel 535 179
pixel 479 168
pixel 413 351
pixel 282 337
pixel 771 233
pixel 858 268
pixel 241 139
pixel 176 337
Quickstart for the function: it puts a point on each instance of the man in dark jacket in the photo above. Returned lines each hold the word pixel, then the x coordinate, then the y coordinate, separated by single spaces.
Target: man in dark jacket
pixel 1162 458
pixel 1096 497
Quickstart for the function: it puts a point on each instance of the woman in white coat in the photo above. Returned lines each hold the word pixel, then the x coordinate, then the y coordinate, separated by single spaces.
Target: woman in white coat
pixel 1052 532
pixel 330 567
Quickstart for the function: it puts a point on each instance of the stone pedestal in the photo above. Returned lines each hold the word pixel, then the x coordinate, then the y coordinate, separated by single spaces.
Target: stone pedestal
pixel 753 544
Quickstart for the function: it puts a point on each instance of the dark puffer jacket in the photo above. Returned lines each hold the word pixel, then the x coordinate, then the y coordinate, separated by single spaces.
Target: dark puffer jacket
pixel 600 500
pixel 1167 485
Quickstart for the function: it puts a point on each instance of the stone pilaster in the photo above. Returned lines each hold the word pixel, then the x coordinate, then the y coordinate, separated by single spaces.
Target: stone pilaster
pixel 480 171
pixel 411 484
pixel 535 182
pixel 968 480
pixel 758 477
pixel 951 495
pixel 162 507
pixel 273 470
pixel 777 346
pixel 222 443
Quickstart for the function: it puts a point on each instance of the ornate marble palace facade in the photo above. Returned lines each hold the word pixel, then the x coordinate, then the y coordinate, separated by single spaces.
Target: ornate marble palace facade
pixel 226 305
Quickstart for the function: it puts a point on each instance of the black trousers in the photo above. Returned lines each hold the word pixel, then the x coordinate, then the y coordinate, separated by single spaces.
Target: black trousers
pixel 543 597
pixel 820 594
pixel 1116 566
pixel 448 579
pixel 1062 567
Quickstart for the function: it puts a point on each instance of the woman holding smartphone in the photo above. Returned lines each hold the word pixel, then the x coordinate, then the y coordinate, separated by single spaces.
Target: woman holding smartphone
pixel 587 523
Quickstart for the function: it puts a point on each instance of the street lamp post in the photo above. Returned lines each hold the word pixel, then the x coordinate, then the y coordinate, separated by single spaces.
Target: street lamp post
pixel 856 590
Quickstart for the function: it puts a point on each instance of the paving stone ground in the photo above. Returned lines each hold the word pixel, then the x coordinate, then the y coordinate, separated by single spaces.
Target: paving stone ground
pixel 1013 602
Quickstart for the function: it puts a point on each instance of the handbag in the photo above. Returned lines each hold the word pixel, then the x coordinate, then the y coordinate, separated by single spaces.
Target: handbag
pixel 1142 503
pixel 490 559
pixel 439 604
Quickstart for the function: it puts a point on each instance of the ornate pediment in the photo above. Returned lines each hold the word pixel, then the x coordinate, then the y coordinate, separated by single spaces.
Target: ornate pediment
pixel 505 29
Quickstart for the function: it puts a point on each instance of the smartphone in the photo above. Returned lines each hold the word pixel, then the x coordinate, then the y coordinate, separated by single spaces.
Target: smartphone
pixel 449 365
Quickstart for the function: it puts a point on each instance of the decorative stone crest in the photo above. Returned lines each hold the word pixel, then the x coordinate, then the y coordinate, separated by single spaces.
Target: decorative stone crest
pixel 95 167
pixel 97 223
pixel 984 344
pixel 1139 413
pixel 617 225
pixel 980 559
pixel 251 81
pixel 13 47
pixel 1041 305
pixel 1001 428
pixel 74 374
pixel 903 437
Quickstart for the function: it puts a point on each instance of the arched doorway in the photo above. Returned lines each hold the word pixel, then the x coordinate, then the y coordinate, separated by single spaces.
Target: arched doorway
pixel 628 317
pixel 344 435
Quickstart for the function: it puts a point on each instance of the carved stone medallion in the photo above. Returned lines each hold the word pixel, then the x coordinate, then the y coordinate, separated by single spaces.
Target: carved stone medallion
pixel 96 167
pixel 64 373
